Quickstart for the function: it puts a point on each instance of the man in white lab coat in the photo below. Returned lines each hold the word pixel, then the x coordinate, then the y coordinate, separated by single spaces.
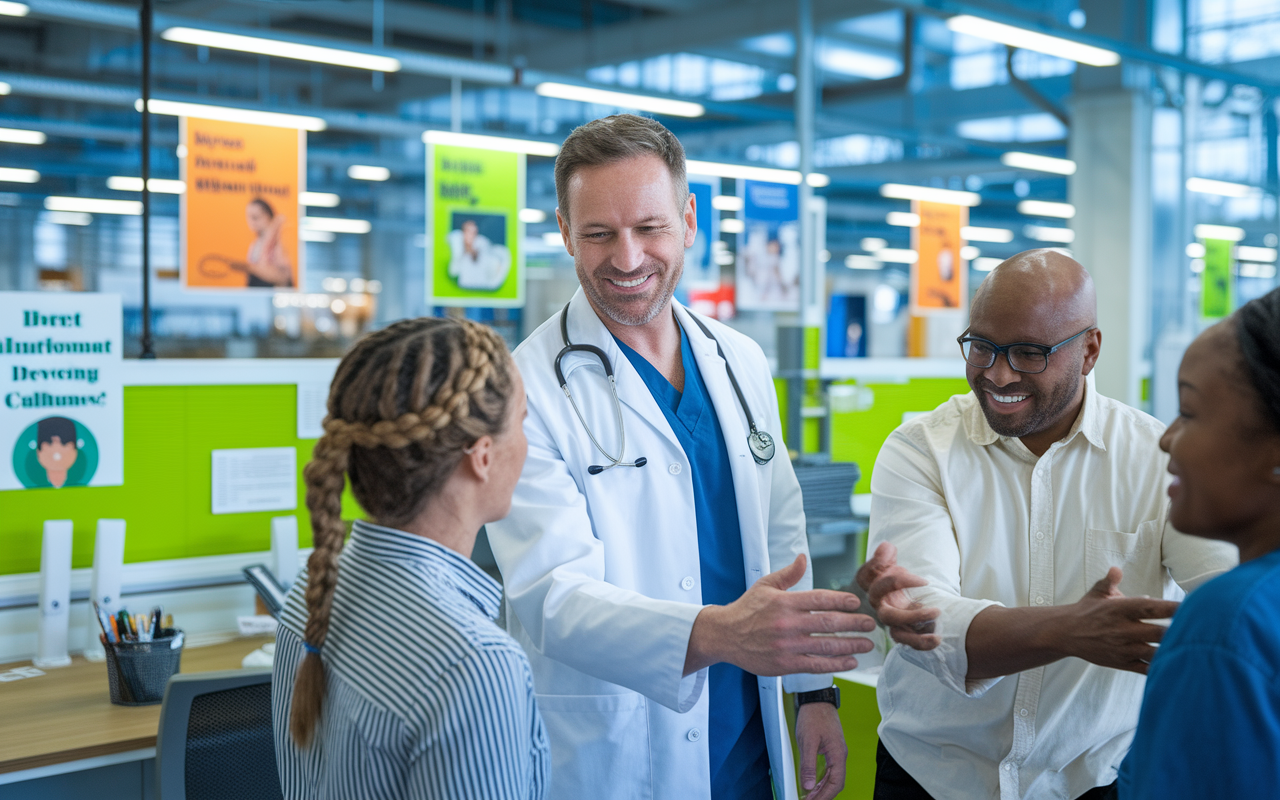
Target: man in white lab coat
pixel 651 543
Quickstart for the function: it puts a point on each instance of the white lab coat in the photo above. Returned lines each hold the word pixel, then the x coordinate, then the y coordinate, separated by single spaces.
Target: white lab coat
pixel 602 573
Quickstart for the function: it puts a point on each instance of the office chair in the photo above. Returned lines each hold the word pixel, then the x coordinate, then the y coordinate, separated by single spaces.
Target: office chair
pixel 215 738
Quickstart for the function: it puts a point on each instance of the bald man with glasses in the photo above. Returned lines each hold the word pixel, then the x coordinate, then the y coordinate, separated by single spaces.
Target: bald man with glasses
pixel 1033 514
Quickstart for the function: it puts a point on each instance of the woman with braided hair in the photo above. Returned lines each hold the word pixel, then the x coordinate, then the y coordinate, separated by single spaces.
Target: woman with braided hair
pixel 1210 722
pixel 391 679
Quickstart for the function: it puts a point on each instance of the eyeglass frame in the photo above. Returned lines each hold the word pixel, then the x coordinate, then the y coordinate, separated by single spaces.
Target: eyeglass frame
pixel 1045 350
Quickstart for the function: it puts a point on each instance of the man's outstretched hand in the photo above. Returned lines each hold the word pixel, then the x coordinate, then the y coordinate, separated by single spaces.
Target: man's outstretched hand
pixel 886 583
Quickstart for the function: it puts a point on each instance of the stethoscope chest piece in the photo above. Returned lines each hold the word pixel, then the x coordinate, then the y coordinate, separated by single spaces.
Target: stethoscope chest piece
pixel 761 445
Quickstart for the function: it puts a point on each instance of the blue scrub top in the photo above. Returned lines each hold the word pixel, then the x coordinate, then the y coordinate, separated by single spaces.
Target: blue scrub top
pixel 1210 722
pixel 736 743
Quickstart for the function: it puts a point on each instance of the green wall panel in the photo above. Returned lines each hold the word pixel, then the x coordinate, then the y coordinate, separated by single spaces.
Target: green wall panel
pixel 170 433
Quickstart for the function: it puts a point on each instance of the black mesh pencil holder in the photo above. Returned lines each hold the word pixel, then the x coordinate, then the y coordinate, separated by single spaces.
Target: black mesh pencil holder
pixel 137 672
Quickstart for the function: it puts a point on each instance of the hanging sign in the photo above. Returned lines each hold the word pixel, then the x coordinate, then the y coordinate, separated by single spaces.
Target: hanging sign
pixel 701 272
pixel 768 263
pixel 1215 280
pixel 474 197
pixel 939 278
pixel 61 402
pixel 241 209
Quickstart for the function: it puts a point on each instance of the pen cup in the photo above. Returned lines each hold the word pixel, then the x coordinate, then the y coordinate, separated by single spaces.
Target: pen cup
pixel 137 672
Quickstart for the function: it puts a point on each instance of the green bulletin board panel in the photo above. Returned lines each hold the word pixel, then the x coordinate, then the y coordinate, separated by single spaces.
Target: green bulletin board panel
pixel 857 435
pixel 169 435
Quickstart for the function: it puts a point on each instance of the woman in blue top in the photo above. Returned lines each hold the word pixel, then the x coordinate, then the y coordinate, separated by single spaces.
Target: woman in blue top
pixel 1210 722
pixel 391 679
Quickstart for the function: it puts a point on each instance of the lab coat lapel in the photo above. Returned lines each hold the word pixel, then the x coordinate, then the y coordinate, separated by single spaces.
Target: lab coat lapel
pixel 585 327
pixel 733 424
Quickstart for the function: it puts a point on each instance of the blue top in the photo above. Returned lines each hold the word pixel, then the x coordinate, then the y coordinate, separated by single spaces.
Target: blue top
pixel 736 743
pixel 425 697
pixel 1210 722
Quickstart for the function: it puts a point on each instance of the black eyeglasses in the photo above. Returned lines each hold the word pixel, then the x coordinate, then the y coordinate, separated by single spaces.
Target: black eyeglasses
pixel 1025 357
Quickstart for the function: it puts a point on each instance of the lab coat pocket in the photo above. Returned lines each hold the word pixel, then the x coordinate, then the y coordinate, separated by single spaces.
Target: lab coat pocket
pixel 600 745
pixel 1137 554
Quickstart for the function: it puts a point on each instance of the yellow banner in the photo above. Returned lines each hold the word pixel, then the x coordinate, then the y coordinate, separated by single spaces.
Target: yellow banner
pixel 241 207
pixel 939 278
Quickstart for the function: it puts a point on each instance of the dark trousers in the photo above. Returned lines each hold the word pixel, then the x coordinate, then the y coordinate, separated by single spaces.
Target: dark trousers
pixel 894 783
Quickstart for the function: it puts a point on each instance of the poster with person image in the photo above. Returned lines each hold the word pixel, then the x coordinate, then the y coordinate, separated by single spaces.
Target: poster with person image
pixel 940 276
pixel 701 272
pixel 61 399
pixel 241 206
pixel 474 197
pixel 768 263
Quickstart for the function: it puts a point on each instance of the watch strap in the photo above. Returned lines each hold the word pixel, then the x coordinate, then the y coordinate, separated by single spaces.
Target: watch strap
pixel 831 695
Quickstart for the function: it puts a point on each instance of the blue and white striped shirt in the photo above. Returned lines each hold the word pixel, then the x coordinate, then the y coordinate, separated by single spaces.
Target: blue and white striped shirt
pixel 425 697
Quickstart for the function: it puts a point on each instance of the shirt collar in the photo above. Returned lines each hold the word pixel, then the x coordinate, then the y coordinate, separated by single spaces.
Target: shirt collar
pixel 468 579
pixel 1088 423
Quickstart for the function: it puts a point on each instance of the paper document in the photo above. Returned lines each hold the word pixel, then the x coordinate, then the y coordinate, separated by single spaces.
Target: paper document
pixel 255 479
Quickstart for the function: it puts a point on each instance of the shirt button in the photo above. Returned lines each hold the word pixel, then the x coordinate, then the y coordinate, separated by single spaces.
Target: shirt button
pixel 693 735
pixel 1039 534
pixel 687 583
pixel 1022 712
pixel 1008 767
pixel 674 469
pixel 1039 600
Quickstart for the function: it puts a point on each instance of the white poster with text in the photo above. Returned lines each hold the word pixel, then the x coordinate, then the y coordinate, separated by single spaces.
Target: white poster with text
pixel 61 400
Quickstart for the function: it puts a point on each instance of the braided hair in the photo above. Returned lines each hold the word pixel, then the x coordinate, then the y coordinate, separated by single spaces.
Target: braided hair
pixel 1258 334
pixel 405 403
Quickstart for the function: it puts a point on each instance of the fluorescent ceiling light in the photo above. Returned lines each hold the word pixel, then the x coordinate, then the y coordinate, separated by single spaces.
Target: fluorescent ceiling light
pixel 969 252
pixel 1257 270
pixel 12 175
pixel 604 97
pixel 732 226
pixel 10 9
pixel 528 146
pixel 283 49
pixel 1031 40
pixel 363 172
pixel 971 234
pixel 274 119
pixel 319 199
pixel 336 224
pixel 94 205
pixel 985 264
pixel 552 239
pixel 17 136
pixel 873 243
pixel 896 256
pixel 77 218
pixel 1045 233
pixel 1246 253
pixel 1223 188
pixel 5 88
pixel 929 194
pixel 862 262
pixel 726 202
pixel 1058 166
pixel 1231 234
pixel 744 172
pixel 817 180
pixel 121 183
pixel 903 219
pixel 1045 208
pixel 1195 250
pixel 532 216
pixel 309 235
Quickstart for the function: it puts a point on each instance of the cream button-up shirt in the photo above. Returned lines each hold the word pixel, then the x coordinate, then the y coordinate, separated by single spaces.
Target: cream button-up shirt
pixel 987 523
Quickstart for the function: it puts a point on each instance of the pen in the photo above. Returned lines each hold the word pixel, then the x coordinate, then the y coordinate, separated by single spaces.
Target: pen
pixel 115 629
pixel 102 623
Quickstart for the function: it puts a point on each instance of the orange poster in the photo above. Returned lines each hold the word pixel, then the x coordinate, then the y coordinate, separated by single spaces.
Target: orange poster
pixel 939 278
pixel 240 210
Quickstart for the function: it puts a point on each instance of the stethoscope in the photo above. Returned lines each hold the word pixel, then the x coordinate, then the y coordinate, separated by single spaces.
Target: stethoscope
pixel 759 442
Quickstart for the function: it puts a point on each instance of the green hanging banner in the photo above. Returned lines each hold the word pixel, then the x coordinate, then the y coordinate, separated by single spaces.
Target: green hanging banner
pixel 1216 295
pixel 474 197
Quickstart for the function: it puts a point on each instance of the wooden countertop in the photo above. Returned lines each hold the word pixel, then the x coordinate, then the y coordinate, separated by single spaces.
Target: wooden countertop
pixel 66 714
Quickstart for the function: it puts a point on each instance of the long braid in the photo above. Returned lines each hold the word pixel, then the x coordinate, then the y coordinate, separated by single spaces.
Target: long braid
pixel 396 449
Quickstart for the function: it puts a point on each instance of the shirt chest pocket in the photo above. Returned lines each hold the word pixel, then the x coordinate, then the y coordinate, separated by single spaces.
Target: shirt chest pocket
pixel 1137 554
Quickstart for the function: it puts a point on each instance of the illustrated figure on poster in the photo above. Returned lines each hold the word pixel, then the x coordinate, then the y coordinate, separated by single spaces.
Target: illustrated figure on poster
pixel 479 260
pixel 269 263
pixel 770 263
pixel 55 452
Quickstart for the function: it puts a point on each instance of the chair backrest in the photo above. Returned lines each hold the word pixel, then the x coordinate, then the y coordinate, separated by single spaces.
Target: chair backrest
pixel 216 739
pixel 826 489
